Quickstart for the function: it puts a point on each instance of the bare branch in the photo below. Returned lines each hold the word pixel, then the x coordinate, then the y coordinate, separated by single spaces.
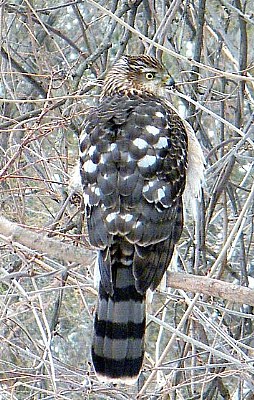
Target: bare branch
pixel 68 253
pixel 211 287
pixel 39 242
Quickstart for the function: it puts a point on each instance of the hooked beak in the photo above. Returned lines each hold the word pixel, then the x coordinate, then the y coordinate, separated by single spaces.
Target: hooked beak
pixel 169 82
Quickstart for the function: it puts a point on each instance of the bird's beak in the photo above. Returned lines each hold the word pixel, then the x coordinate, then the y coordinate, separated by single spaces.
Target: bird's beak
pixel 169 82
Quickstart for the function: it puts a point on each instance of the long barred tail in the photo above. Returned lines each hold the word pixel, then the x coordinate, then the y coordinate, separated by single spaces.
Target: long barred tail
pixel 119 329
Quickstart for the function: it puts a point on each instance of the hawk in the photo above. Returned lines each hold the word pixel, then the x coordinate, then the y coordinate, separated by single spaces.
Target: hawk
pixel 133 165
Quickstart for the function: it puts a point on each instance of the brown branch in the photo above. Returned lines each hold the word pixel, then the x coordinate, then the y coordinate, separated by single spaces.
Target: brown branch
pixel 44 245
pixel 69 253
pixel 211 287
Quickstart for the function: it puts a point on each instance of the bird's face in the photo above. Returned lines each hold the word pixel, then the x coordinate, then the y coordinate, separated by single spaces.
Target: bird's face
pixel 150 79
pixel 141 73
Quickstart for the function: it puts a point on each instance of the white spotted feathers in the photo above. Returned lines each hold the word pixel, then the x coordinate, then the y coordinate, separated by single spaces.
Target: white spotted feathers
pixel 133 165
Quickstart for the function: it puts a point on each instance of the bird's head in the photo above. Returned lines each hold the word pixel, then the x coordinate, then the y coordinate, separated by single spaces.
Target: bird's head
pixel 137 74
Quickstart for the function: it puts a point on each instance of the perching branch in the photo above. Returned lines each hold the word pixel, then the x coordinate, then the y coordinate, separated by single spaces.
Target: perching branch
pixel 69 253
pixel 42 244
pixel 211 287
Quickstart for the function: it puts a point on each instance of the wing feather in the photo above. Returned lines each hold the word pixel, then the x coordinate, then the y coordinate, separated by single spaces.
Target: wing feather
pixel 134 169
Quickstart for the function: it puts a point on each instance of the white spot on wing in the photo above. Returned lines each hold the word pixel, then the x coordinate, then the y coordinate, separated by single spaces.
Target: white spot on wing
pixel 82 137
pixel 112 146
pixel 149 185
pixel 140 143
pixel 91 151
pixel 161 194
pixel 86 199
pixel 129 158
pixel 89 166
pixel 110 217
pixel 162 143
pixel 147 161
pixel 127 217
pixel 104 158
pixel 159 114
pixel 152 129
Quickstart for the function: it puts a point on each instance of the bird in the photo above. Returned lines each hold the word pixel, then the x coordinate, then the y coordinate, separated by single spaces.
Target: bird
pixel 134 171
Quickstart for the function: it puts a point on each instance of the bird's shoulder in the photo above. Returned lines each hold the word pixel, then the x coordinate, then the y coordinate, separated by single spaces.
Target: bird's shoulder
pixel 137 107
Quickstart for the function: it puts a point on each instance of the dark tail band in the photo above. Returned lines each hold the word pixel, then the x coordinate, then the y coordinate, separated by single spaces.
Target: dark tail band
pixel 119 329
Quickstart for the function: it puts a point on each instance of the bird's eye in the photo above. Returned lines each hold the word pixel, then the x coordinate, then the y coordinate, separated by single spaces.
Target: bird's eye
pixel 150 75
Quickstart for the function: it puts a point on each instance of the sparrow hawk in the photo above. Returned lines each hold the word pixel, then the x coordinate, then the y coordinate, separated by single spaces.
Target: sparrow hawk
pixel 134 163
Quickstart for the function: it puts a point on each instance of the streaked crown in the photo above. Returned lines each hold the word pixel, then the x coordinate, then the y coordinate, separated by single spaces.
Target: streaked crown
pixel 132 74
